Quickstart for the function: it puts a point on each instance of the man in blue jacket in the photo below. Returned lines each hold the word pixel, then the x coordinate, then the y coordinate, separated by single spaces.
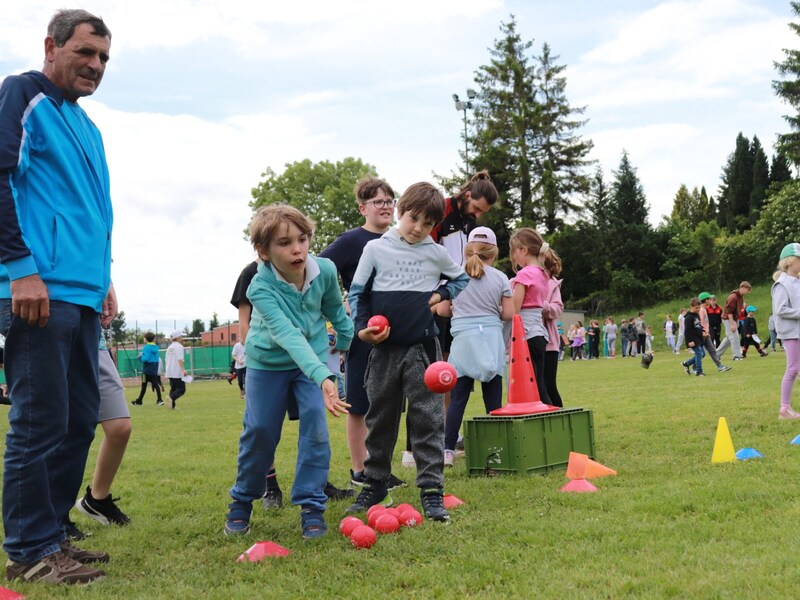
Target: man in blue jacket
pixel 55 254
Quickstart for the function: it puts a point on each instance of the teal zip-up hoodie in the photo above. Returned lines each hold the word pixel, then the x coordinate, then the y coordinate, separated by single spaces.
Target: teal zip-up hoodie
pixel 55 203
pixel 287 327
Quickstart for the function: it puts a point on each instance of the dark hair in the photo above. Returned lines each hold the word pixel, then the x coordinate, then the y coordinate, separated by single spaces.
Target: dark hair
pixel 149 336
pixel 62 26
pixel 694 302
pixel 479 186
pixel 423 199
pixel 368 187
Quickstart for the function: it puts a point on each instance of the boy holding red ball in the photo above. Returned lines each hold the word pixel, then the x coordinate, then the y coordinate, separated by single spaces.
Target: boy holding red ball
pixel 399 277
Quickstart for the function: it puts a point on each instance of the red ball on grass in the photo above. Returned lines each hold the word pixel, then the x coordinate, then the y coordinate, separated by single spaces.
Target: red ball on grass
pixel 363 537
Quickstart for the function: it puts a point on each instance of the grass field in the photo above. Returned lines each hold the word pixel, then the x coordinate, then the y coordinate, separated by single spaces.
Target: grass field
pixel 670 525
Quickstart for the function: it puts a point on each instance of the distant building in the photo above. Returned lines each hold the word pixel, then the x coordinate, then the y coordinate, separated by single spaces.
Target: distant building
pixel 224 335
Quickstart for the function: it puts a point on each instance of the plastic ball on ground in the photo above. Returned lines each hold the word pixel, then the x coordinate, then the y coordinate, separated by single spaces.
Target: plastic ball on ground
pixel 395 512
pixel 440 377
pixel 363 537
pixel 373 518
pixel 387 523
pixel 375 507
pixel 348 524
pixel 411 518
pixel 378 321
pixel 401 508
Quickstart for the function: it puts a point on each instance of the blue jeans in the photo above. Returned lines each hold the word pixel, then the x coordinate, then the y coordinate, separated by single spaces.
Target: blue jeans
pixel 266 399
pixel 55 403
pixel 699 353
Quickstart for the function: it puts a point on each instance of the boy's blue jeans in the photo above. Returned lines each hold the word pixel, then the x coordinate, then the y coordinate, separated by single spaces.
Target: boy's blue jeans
pixel 699 353
pixel 53 384
pixel 266 399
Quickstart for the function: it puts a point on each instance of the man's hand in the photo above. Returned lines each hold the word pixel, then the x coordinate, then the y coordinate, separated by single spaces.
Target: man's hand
pixel 30 300
pixel 110 307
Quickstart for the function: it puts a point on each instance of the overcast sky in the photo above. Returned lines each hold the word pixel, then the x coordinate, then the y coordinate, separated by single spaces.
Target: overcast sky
pixel 201 96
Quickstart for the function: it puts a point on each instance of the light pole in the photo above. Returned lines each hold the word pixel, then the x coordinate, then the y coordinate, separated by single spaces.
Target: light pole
pixel 463 106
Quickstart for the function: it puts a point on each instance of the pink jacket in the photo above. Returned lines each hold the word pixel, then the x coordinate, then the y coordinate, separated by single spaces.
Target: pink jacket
pixel 551 312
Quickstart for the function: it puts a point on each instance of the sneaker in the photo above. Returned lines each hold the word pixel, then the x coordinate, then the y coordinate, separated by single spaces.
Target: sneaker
pixel 272 499
pixel 104 511
pixel 159 403
pixel 701 374
pixel 84 557
pixel 237 521
pixel 723 368
pixel 788 413
pixel 53 568
pixel 460 442
pixel 686 368
pixel 136 402
pixel 72 531
pixel 370 495
pixel 449 458
pixel 739 357
pixel 357 478
pixel 394 482
pixel 408 460
pixel 334 493
pixel 433 504
pixel 312 522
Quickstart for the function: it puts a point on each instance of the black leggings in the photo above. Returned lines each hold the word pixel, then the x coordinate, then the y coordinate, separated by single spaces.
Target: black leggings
pixel 550 373
pixel 536 347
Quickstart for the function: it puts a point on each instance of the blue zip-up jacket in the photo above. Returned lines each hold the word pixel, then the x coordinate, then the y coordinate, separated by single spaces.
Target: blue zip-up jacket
pixel 396 279
pixel 55 204
pixel 287 327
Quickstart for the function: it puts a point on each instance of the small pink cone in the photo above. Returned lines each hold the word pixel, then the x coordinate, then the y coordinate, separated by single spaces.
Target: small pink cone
pixel 7 594
pixel 579 485
pixel 261 550
pixel 451 501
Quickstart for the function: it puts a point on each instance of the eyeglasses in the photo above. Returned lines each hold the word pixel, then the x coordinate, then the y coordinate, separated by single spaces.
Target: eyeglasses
pixel 387 203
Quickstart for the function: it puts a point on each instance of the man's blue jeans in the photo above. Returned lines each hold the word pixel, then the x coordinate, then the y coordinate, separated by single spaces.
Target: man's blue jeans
pixel 267 397
pixel 52 381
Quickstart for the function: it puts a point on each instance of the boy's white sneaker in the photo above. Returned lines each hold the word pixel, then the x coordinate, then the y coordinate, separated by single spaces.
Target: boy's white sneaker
pixel 408 460
pixel 449 458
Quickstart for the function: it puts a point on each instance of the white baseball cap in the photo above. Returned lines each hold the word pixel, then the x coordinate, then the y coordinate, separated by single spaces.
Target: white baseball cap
pixel 176 333
pixel 482 234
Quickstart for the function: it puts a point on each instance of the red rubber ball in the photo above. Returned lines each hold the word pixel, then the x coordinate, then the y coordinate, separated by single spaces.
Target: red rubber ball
pixel 363 537
pixel 348 524
pixel 440 377
pixel 387 523
pixel 378 321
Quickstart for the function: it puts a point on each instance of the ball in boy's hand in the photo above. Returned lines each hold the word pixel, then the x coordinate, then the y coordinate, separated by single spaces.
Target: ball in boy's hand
pixel 348 525
pixel 378 321
pixel 440 377
pixel 363 537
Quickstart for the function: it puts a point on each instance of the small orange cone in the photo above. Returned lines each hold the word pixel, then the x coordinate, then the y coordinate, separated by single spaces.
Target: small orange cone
pixel 523 395
pixel 595 470
pixel 576 467
pixel 451 501
pixel 580 486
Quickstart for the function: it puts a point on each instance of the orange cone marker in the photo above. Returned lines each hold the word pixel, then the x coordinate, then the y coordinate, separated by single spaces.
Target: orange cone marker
pixel 523 395
pixel 451 501
pixel 580 486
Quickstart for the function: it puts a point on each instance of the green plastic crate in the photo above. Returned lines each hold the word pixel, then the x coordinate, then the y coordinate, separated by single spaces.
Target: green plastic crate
pixel 527 444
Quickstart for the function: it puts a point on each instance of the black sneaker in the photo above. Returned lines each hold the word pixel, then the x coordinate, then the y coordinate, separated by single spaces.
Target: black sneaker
pixel 433 504
pixel 394 483
pixel 686 368
pixel 72 530
pixel 159 403
pixel 103 511
pixel 137 402
pixel 334 493
pixel 700 374
pixel 357 478
pixel 371 494
pixel 272 499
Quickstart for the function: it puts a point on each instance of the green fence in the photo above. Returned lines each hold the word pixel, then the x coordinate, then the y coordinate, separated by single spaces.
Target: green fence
pixel 199 360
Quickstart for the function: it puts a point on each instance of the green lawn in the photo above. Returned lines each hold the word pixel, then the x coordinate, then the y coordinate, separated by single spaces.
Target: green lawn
pixel 670 525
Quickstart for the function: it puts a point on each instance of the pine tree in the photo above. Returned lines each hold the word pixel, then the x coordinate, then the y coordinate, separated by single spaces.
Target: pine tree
pixel 598 200
pixel 779 170
pixel 760 180
pixel 789 91
pixel 736 187
pixel 628 202
pixel 681 209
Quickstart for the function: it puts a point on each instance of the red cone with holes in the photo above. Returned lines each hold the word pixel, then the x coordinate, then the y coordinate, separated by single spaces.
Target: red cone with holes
pixel 523 395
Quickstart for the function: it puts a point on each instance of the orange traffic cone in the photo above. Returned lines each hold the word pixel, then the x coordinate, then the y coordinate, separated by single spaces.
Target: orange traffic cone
pixel 523 395
pixel 580 466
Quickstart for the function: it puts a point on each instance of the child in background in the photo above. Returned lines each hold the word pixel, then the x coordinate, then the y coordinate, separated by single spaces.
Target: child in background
pixel 477 351
pixel 648 339
pixel 535 263
pixel 552 309
pixel 623 335
pixel 578 341
pixel 335 359
pixel 633 337
pixel 611 336
pixel 750 334
pixel 786 309
pixel 239 356
pixel 292 295
pixel 773 335
pixel 669 332
pixel 176 370
pixel 681 331
pixel 594 339
pixel 693 330
pixel 399 277
pixel 149 358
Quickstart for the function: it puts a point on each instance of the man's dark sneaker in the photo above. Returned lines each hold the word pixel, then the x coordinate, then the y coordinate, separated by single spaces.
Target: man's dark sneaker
pixel 394 483
pixel 334 493
pixel 136 402
pixel 371 494
pixel 357 478
pixel 433 504
pixel 159 403
pixel 700 374
pixel 84 557
pixel 72 530
pixel 53 568
pixel 104 511
pixel 272 499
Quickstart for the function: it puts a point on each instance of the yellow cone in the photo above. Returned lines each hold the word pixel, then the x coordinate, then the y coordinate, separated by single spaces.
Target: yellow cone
pixel 723 444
